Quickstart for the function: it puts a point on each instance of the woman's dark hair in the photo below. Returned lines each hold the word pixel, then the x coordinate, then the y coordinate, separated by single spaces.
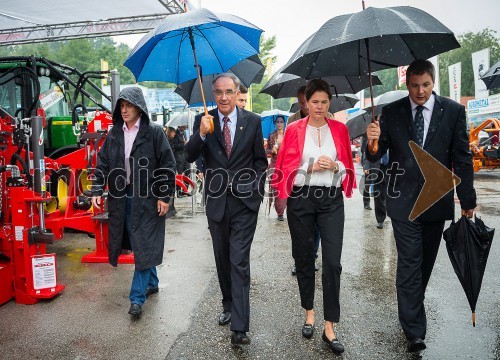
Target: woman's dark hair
pixel 317 85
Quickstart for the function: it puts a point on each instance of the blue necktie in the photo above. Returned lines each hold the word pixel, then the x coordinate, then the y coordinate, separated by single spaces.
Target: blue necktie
pixel 419 125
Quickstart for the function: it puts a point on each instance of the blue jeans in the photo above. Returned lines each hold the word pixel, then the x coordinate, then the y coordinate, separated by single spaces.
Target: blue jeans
pixel 142 278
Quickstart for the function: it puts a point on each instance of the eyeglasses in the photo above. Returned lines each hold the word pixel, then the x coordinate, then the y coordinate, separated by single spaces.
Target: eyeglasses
pixel 218 93
pixel 280 122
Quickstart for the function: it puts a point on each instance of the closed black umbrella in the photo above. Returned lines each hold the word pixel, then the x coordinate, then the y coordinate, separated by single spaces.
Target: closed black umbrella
pixel 338 103
pixel 468 244
pixel 282 85
pixel 492 77
pixel 250 70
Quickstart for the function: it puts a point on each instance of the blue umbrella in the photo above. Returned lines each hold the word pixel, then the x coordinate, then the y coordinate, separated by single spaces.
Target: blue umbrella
pixel 268 120
pixel 166 53
pixel 170 52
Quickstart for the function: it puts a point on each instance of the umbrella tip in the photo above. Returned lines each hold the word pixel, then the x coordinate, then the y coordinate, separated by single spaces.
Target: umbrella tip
pixel 473 319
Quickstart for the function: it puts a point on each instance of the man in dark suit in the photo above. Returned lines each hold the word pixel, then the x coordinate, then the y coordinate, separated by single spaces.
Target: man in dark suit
pixel 439 124
pixel 235 163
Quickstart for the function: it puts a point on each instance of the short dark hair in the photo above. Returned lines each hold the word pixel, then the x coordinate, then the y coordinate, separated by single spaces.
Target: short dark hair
pixel 243 89
pixel 317 85
pixel 420 67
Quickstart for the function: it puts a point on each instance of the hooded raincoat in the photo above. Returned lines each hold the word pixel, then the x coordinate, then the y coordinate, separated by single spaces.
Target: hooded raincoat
pixel 152 177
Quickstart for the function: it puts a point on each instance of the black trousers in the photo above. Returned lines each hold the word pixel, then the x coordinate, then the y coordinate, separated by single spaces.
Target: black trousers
pixel 323 207
pixel 232 238
pixel 368 180
pixel 380 188
pixel 417 243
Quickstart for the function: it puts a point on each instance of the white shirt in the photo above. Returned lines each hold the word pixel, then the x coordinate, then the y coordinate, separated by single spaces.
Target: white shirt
pixel 233 117
pixel 427 112
pixel 319 141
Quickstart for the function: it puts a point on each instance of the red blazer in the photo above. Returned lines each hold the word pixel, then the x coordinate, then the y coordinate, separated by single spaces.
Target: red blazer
pixel 291 153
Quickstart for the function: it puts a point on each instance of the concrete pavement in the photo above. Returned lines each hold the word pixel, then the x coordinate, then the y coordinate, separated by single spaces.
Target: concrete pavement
pixel 90 321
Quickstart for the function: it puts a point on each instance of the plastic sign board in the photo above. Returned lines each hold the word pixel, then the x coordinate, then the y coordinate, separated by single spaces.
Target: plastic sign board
pixel 44 271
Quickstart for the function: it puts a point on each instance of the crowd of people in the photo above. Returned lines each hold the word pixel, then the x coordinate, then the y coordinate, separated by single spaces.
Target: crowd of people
pixel 311 171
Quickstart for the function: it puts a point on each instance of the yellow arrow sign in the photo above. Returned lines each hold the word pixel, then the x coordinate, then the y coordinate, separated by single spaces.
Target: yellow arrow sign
pixel 439 181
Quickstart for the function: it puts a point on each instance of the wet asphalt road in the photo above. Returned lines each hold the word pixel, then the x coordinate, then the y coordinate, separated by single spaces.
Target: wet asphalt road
pixel 89 320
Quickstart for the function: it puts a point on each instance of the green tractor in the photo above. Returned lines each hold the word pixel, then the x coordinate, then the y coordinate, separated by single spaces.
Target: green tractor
pixel 62 95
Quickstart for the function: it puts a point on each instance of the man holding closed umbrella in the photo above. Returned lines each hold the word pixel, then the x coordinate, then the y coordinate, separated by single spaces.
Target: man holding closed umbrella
pixel 436 124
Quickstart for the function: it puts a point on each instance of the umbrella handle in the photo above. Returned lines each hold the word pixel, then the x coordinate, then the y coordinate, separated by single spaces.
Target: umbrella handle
pixel 373 146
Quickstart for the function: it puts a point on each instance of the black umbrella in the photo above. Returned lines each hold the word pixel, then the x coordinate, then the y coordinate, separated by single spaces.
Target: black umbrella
pixel 492 77
pixel 393 36
pixel 358 124
pixel 338 103
pixel 282 85
pixel 468 244
pixel 250 70
pixel 370 40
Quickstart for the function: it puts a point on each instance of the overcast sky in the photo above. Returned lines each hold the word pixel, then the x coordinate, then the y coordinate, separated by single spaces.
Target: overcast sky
pixel 293 21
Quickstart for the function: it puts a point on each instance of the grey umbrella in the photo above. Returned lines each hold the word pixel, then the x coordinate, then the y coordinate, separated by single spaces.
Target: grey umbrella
pixel 387 98
pixel 250 70
pixel 282 85
pixel 181 120
pixel 492 77
pixel 338 103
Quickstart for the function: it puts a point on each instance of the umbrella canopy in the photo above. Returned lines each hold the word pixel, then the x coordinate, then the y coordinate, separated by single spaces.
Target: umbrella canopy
pixel 166 52
pixel 395 36
pixel 468 244
pixel 358 124
pixel 282 85
pixel 338 103
pixel 387 98
pixel 492 77
pixel 181 119
pixel 268 120
pixel 249 71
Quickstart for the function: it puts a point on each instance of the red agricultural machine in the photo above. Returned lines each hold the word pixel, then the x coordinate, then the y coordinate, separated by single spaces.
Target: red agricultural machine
pixel 48 148
pixel 485 149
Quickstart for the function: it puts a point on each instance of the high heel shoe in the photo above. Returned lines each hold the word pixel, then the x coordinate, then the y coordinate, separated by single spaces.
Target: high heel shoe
pixel 307 330
pixel 334 344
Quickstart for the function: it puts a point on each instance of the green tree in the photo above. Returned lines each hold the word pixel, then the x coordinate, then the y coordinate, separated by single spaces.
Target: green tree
pixel 470 42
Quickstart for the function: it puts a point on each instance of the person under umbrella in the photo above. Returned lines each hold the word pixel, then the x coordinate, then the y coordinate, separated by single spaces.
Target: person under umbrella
pixel 315 163
pixel 438 125
pixel 273 146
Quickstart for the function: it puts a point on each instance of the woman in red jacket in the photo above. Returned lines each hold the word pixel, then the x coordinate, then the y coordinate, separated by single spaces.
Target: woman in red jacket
pixel 314 166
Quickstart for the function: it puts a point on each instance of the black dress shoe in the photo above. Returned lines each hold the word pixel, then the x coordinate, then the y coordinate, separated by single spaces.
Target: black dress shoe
pixel 307 330
pixel 224 318
pixel 151 291
pixel 135 310
pixel 368 207
pixel 294 270
pixel 416 344
pixel 240 338
pixel 380 225
pixel 334 344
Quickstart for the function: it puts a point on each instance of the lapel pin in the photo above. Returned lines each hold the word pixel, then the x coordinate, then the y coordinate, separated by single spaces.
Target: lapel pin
pixel 241 127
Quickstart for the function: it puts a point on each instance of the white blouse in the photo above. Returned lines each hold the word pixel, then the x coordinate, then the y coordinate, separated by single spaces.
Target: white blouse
pixel 319 141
